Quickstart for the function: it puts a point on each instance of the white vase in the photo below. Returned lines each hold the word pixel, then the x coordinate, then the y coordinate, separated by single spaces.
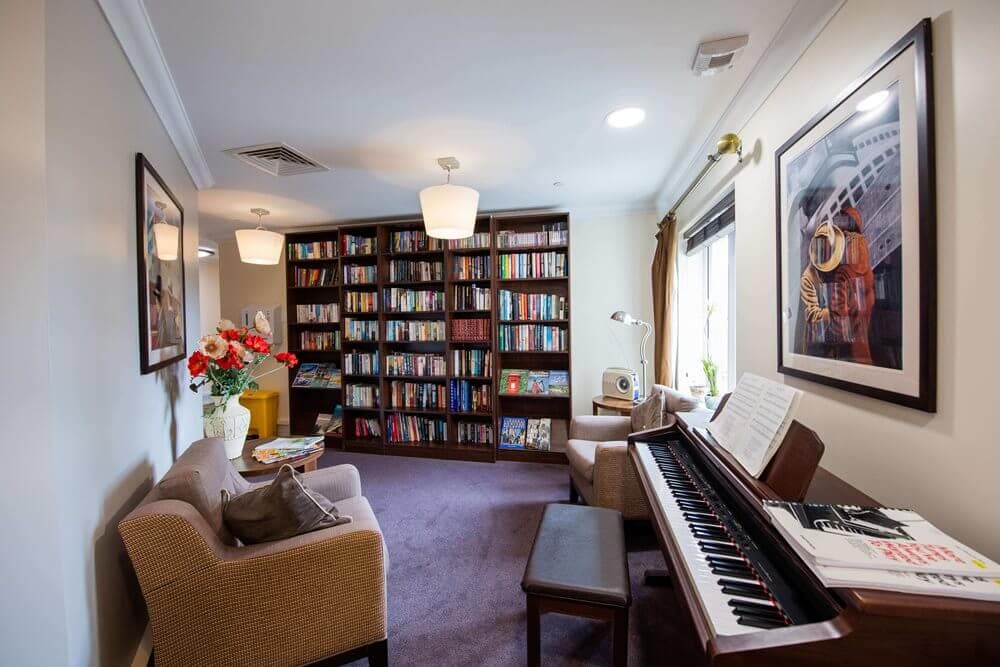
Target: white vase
pixel 229 422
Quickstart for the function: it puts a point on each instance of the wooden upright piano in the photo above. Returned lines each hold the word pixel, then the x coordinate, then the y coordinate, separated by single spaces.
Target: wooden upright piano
pixel 749 597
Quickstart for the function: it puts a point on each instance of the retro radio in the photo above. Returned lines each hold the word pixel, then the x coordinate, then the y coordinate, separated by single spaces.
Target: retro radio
pixel 620 383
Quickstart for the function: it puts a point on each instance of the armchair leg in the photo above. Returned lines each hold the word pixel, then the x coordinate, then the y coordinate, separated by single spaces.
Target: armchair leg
pixel 378 654
pixel 574 497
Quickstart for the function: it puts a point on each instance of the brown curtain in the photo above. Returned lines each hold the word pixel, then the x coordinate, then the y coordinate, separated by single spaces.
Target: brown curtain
pixel 663 272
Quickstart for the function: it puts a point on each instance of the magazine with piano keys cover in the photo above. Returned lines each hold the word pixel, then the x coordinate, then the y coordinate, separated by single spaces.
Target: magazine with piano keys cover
pixel 879 538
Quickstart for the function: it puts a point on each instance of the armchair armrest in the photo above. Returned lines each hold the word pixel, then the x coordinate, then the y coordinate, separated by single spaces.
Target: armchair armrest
pixel 600 429
pixel 335 483
pixel 616 482
pixel 322 593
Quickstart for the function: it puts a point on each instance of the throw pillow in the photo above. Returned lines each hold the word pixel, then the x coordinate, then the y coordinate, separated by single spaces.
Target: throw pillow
pixel 649 413
pixel 284 508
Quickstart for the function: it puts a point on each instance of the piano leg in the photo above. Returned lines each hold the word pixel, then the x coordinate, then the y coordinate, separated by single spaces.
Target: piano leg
pixel 620 642
pixel 657 577
pixel 534 632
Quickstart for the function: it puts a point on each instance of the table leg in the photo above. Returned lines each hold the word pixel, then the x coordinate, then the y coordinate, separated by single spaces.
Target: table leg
pixel 311 466
pixel 534 635
pixel 594 408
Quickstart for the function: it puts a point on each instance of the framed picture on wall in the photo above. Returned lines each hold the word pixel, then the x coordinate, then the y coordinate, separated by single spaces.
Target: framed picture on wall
pixel 160 246
pixel 856 235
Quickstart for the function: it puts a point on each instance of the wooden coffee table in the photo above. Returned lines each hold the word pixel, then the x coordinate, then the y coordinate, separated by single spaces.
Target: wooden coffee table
pixel 248 466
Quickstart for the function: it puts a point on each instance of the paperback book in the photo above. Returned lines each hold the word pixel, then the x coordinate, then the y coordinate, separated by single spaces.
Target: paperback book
pixel 513 432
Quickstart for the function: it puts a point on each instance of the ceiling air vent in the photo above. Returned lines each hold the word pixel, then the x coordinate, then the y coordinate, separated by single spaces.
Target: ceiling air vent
pixel 277 159
pixel 718 56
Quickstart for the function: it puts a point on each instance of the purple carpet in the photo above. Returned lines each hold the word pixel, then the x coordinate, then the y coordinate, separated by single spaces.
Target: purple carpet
pixel 458 536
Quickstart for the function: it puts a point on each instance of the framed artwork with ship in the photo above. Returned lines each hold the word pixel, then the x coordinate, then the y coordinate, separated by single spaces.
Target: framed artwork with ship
pixel 856 261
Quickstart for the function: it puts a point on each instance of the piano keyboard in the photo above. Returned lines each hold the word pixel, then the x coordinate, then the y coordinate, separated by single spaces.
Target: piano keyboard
pixel 733 593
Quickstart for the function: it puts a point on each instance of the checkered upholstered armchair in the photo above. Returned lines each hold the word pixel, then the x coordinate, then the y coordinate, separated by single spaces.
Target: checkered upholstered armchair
pixel 599 468
pixel 289 602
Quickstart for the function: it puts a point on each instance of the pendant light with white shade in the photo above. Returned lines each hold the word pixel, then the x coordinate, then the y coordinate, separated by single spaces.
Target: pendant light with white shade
pixel 449 211
pixel 259 246
pixel 166 237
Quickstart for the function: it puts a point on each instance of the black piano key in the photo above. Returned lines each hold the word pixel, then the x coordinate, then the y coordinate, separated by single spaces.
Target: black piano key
pixel 700 516
pixel 705 524
pixel 761 607
pixel 724 571
pixel 688 495
pixel 757 622
pixel 710 531
pixel 717 548
pixel 693 505
pixel 745 593
pixel 728 561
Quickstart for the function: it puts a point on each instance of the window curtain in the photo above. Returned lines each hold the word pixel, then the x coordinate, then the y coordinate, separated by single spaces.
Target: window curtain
pixel 664 270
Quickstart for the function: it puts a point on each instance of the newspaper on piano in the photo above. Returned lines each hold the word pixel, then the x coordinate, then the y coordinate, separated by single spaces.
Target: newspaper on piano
pixel 754 421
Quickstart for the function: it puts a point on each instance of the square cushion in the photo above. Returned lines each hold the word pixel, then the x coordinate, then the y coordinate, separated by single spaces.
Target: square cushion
pixel 197 478
pixel 649 413
pixel 284 508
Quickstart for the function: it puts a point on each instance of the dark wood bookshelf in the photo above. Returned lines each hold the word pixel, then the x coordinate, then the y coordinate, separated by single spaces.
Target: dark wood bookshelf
pixel 304 405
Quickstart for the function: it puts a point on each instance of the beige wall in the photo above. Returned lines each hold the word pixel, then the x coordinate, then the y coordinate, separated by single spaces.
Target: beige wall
pixel 944 465
pixel 209 295
pixel 85 434
pixel 606 247
pixel 244 284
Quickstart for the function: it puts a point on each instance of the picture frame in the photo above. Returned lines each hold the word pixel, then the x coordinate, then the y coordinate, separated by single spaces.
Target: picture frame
pixel 856 235
pixel 162 299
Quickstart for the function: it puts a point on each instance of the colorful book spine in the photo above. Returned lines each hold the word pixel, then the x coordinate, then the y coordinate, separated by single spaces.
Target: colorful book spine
pixel 474 433
pixel 326 277
pixel 415 330
pixel 367 427
pixel 411 363
pixel 470 267
pixel 402 428
pixel 361 363
pixel 317 313
pixel 359 274
pixel 470 330
pixel 361 396
pixel 409 271
pixel 319 341
pixel 398 300
pixel 413 240
pixel 470 297
pixel 477 240
pixel 422 395
pixel 554 234
pixel 466 396
pixel 360 330
pixel 360 302
pixel 477 363
pixel 314 250
pixel 351 244
pixel 532 338
pixel 529 265
pixel 518 306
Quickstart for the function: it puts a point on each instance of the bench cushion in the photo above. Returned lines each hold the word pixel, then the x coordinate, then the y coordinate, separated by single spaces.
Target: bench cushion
pixel 579 554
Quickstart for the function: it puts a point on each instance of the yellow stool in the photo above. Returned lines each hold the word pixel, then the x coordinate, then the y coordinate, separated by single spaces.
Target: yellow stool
pixel 263 407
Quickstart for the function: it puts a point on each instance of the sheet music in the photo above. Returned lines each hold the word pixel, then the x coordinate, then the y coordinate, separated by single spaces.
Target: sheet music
pixel 754 421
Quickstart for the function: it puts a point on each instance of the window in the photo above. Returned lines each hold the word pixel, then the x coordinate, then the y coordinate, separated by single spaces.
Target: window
pixel 705 326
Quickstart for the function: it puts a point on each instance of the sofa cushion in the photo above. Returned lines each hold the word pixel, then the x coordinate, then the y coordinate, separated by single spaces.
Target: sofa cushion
pixel 649 413
pixel 197 478
pixel 284 508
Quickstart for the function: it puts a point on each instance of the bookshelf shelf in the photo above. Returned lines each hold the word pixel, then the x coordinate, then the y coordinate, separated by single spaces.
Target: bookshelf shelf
pixel 409 261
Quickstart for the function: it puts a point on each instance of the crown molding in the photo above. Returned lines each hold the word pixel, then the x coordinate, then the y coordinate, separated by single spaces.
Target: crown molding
pixel 131 25
pixel 804 23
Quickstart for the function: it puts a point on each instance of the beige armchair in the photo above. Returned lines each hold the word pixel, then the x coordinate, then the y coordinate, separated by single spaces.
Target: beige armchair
pixel 599 467
pixel 289 602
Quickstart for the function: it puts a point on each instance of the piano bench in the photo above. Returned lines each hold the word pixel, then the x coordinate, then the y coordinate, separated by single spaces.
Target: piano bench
pixel 578 566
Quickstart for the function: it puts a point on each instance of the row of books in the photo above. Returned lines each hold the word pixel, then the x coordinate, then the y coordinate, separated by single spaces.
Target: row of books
pixel 424 395
pixel 519 306
pixel 360 274
pixel 474 433
pixel 470 267
pixel 477 240
pixel 533 265
pixel 405 270
pixel 319 341
pixel 413 301
pixel 360 302
pixel 525 433
pixel 519 381
pixel 361 395
pixel 550 234
pixel 317 376
pixel 314 277
pixel 367 427
pixel 317 313
pixel 414 330
pixel 363 330
pixel 470 297
pixel 470 330
pixel 413 363
pixel 351 244
pixel 314 250
pixel 330 423
pixel 361 363
pixel 531 338
pixel 413 240
pixel 468 396
pixel 414 428
pixel 472 362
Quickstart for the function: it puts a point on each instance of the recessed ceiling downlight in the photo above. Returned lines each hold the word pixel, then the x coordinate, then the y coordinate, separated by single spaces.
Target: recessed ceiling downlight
pixel 873 101
pixel 625 117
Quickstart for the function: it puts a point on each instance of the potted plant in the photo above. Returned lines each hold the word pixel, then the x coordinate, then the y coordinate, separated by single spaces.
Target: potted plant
pixel 226 360
pixel 712 379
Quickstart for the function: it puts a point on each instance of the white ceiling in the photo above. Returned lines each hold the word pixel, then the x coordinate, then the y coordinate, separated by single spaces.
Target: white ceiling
pixel 517 90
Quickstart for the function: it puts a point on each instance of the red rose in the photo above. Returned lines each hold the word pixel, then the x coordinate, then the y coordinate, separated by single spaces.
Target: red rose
pixel 197 364
pixel 287 358
pixel 230 334
pixel 257 344
pixel 230 361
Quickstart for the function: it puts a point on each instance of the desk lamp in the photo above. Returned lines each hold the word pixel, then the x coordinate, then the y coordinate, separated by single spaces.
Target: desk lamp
pixel 625 318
